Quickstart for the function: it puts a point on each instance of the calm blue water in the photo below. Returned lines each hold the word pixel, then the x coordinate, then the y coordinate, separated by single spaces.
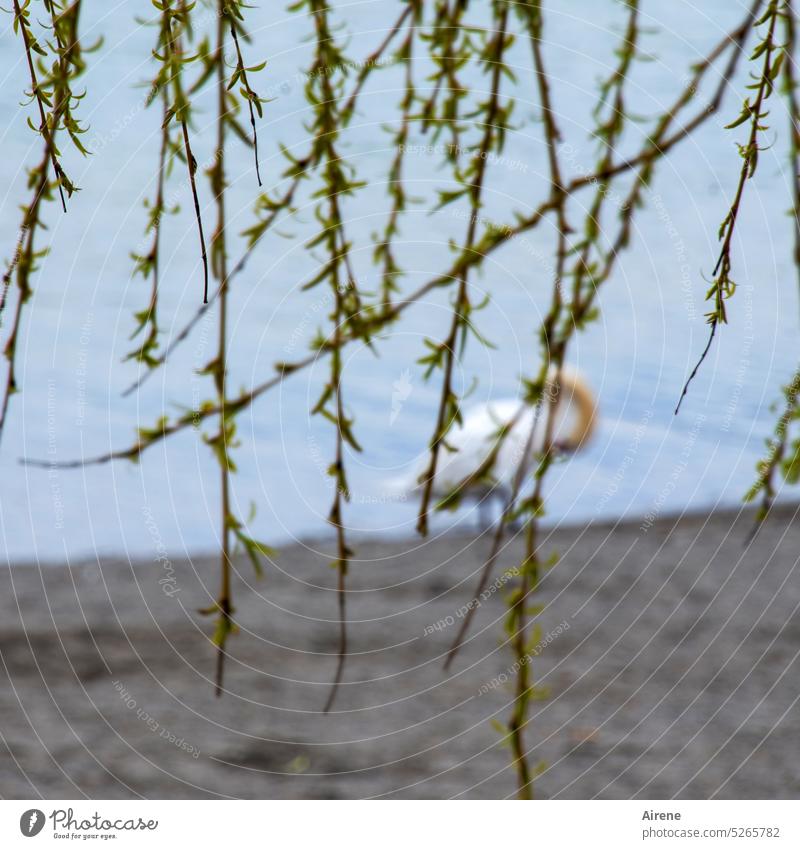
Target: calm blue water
pixel 642 461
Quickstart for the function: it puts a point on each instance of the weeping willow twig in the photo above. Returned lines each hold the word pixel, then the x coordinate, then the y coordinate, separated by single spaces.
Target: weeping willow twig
pixel 54 89
pixel 779 445
pixel 723 286
pixel 341 494
pixel 450 46
pixel 254 102
pixel 793 103
pixel 777 460
pixel 384 254
pixel 442 355
pixel 232 529
pixel 43 99
pixel 354 318
pixel 56 92
pixel 25 264
pixel 517 621
pixel 554 334
pixel 177 22
pixel 324 90
pixel 223 440
pixel 555 341
pixel 531 14
pixel 509 509
pixel 148 264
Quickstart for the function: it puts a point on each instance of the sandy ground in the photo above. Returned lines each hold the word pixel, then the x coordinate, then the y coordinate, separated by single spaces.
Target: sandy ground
pixel 676 676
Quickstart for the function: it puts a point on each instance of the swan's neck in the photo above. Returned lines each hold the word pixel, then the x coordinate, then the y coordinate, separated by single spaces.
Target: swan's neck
pixel 574 393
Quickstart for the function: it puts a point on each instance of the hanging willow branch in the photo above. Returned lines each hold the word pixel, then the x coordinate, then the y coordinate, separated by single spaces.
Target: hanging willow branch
pixel 754 113
pixel 51 89
pixel 495 118
pixel 783 452
pixel 531 15
pixel 43 98
pixel 177 25
pixel 783 456
pixel 232 528
pixel 793 105
pixel 610 115
pixel 148 263
pixel 254 102
pixel 450 46
pixel 384 253
pixel 223 441
pixel 324 89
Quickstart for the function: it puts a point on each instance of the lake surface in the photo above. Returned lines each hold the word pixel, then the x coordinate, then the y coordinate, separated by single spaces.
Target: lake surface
pixel 642 461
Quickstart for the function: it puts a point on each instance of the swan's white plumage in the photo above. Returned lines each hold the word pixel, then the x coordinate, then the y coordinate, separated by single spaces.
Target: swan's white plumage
pixel 476 437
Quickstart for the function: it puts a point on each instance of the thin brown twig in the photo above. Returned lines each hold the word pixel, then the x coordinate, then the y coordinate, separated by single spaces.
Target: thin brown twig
pixel 251 96
pixel 790 80
pixel 371 62
pixel 192 166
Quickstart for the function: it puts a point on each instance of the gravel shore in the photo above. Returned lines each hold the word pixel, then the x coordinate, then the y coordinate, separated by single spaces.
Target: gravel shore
pixel 670 654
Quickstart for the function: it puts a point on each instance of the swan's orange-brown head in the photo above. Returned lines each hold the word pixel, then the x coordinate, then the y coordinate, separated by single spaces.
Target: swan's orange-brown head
pixel 568 390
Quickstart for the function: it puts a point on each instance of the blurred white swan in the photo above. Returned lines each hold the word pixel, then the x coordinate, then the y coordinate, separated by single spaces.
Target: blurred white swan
pixel 480 470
